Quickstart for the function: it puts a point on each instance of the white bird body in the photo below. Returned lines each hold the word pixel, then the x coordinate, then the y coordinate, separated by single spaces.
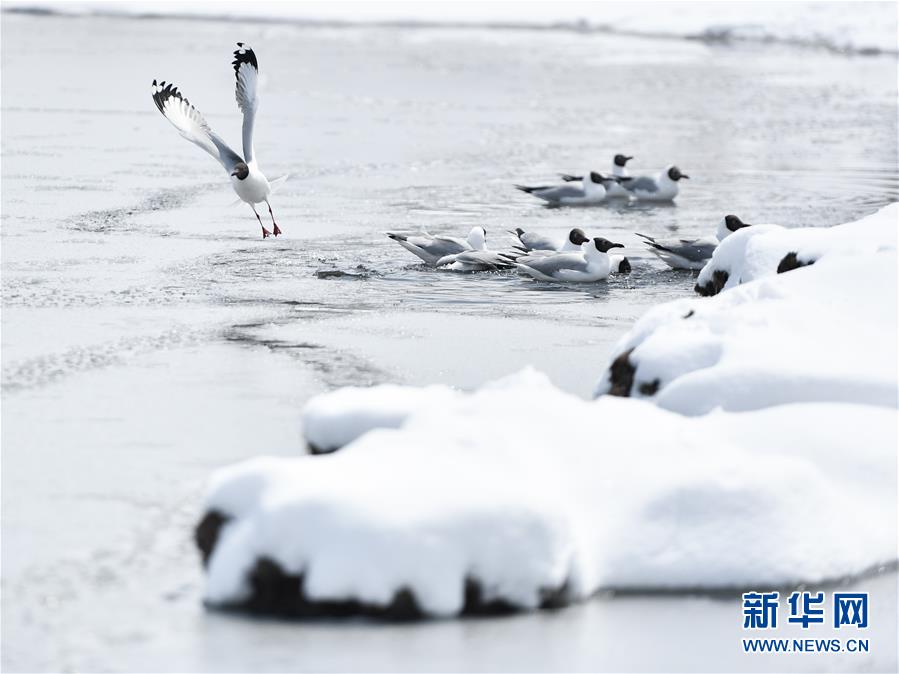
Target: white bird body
pixel 431 248
pixel 590 192
pixel 662 187
pixel 619 170
pixel 573 242
pixel 590 265
pixel 249 183
pixel 255 188
pixel 476 260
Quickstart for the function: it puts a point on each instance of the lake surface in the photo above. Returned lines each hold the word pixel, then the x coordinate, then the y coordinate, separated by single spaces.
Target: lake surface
pixel 150 335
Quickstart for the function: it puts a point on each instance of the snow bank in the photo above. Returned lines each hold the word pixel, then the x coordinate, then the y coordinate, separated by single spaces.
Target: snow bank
pixel 528 497
pixel 867 28
pixel 762 250
pixel 823 333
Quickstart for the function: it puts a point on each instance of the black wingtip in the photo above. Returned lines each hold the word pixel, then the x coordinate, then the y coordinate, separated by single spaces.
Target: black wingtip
pixel 164 92
pixel 243 55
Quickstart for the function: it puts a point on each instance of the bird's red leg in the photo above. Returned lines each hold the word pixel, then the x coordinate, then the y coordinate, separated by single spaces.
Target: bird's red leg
pixel 265 232
pixel 275 229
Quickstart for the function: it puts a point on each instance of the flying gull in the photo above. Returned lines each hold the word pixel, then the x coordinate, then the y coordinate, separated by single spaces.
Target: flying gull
pixel 247 180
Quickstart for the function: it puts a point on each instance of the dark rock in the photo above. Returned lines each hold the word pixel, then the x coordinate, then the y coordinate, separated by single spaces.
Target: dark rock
pixel 475 604
pixel 621 375
pixel 791 261
pixel 206 535
pixel 649 388
pixel 316 451
pixel 715 286
pixel 277 593
pixel 555 598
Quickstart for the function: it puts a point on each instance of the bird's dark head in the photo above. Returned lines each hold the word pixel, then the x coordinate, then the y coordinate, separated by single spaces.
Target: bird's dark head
pixel 604 245
pixel 733 223
pixel 596 178
pixel 675 174
pixel 577 236
pixel 621 160
pixel 241 171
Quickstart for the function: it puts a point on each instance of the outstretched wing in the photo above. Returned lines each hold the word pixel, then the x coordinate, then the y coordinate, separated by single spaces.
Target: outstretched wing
pixel 246 71
pixel 190 124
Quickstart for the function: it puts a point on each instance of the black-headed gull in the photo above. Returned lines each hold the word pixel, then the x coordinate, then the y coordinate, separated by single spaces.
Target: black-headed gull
pixel 247 180
pixel 592 264
pixel 476 260
pixel 591 191
pixel 573 243
pixel 662 187
pixel 693 253
pixel 533 242
pixel 431 248
pixel 613 187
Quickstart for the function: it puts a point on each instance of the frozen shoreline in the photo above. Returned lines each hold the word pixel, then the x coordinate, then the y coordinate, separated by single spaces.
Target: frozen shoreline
pixel 870 32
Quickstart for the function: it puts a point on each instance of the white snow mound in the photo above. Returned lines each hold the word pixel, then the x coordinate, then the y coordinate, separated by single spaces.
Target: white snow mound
pixel 821 333
pixel 754 252
pixel 335 419
pixel 532 493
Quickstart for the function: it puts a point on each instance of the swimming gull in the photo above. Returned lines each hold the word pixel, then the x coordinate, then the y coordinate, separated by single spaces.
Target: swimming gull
pixel 692 253
pixel 662 187
pixel 591 191
pixel 592 264
pixel 431 248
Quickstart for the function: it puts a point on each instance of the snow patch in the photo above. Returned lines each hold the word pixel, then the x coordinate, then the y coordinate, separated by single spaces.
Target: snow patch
pixel 528 496
pixel 754 252
pixel 335 419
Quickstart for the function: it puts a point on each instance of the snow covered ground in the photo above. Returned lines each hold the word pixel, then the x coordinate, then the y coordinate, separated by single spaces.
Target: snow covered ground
pixel 761 250
pixel 522 496
pixel 824 333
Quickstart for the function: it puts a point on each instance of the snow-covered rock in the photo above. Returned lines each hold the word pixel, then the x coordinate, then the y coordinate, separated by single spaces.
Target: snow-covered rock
pixel 825 333
pixel 527 500
pixel 763 250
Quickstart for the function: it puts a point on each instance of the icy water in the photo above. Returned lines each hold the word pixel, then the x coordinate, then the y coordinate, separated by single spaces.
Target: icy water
pixel 150 336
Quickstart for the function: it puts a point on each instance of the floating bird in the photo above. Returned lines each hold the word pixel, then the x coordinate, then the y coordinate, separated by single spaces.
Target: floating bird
pixel 662 187
pixel 533 242
pixel 613 187
pixel 476 260
pixel 592 264
pixel 576 237
pixel 247 180
pixel 692 253
pixel 591 191
pixel 431 248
